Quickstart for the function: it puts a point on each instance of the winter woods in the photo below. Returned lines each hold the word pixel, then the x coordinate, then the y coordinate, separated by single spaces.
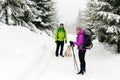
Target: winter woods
pixel 28 13
pixel 101 15
pixel 104 16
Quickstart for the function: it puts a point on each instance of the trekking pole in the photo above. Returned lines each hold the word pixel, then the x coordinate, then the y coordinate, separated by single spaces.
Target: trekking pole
pixel 74 59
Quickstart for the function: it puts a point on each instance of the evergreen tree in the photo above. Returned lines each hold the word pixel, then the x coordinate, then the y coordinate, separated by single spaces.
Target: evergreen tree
pixel 86 19
pixel 17 12
pixel 45 18
pixel 90 13
pixel 107 16
pixel 81 20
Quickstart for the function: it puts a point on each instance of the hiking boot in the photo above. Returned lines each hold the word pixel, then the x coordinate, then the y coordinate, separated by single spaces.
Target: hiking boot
pixel 81 72
pixel 56 55
pixel 62 55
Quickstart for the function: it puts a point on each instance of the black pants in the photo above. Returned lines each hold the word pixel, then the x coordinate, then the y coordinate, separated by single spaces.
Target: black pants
pixel 81 55
pixel 59 44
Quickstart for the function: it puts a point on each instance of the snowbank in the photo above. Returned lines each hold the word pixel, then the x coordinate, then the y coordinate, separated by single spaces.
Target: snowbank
pixel 21 51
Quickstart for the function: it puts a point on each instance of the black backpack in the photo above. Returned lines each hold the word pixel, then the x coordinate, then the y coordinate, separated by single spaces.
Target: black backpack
pixel 87 41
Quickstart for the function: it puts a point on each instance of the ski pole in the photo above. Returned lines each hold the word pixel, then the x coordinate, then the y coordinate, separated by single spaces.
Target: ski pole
pixel 74 59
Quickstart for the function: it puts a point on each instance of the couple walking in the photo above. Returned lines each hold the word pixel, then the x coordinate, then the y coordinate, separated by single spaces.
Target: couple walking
pixel 61 38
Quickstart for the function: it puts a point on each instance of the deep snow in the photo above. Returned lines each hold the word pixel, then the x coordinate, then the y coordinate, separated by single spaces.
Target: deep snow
pixel 25 55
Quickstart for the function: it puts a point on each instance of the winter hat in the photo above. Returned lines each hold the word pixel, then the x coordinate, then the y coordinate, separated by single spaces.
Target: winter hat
pixel 61 24
pixel 78 28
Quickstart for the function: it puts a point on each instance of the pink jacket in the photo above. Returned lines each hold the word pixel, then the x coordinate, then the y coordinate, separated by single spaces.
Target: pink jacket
pixel 80 39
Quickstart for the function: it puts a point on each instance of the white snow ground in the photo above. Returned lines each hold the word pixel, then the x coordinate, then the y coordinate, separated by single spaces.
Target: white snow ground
pixel 25 55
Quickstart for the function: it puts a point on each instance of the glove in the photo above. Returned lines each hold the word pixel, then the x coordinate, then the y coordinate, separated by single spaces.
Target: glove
pixel 71 43
pixel 55 41
pixel 65 41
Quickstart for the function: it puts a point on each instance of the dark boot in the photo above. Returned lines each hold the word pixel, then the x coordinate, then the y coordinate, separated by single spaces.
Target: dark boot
pixel 81 72
pixel 62 55
pixel 56 55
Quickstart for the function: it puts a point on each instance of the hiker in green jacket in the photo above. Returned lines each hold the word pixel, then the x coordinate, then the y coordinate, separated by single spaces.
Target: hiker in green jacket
pixel 60 38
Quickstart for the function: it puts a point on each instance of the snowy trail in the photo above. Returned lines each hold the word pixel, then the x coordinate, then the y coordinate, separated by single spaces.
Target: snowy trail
pixel 99 64
pixel 102 63
pixel 25 55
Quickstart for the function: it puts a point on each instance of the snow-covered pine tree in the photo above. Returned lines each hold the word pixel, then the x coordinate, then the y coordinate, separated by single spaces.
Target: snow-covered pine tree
pixel 56 19
pixel 81 20
pixel 45 18
pixel 90 13
pixel 107 14
pixel 86 18
pixel 17 12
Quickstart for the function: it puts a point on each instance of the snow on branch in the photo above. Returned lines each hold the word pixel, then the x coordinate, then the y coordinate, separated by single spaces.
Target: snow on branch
pixel 100 5
pixel 109 16
pixel 113 29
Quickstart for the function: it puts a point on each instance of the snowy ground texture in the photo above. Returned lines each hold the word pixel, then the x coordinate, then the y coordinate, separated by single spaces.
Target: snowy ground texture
pixel 25 55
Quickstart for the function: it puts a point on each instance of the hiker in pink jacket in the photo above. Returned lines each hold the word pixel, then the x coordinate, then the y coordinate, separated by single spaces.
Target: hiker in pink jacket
pixel 81 53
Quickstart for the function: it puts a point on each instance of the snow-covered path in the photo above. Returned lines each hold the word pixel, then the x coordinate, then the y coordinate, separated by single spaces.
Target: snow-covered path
pixel 101 65
pixel 25 55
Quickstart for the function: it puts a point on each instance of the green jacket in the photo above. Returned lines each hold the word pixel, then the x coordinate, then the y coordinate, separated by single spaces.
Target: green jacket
pixel 60 34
